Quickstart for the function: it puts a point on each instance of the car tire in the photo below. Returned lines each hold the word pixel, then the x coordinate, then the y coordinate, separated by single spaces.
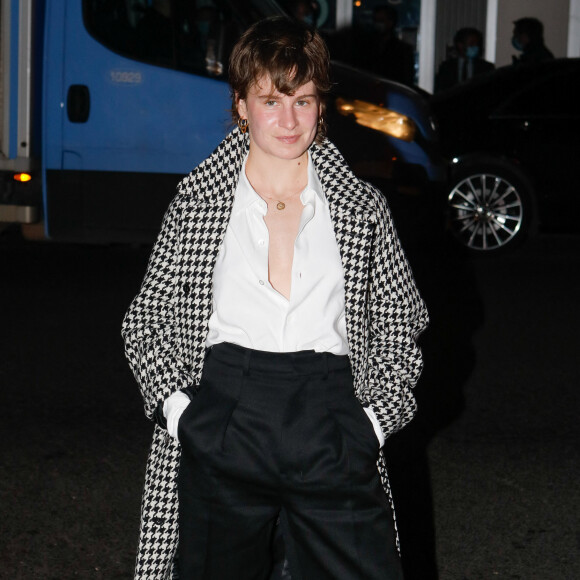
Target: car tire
pixel 490 207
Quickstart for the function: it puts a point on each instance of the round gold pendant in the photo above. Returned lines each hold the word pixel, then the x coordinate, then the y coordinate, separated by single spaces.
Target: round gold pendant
pixel 281 205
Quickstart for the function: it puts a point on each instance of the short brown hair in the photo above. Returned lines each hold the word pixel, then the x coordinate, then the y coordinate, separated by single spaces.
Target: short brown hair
pixel 289 52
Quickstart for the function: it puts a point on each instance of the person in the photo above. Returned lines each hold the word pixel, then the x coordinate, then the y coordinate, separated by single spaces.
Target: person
pixel 467 61
pixel 307 11
pixel 274 340
pixel 383 53
pixel 528 38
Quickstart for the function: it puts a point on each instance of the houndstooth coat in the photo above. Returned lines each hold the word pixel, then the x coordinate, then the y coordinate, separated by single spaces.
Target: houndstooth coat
pixel 166 324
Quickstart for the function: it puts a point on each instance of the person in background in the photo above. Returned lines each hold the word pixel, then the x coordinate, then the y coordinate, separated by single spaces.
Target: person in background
pixel 306 11
pixel 528 38
pixel 274 340
pixel 467 61
pixel 383 52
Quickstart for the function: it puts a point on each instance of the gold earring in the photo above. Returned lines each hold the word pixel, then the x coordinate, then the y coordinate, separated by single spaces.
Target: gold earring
pixel 321 128
pixel 243 125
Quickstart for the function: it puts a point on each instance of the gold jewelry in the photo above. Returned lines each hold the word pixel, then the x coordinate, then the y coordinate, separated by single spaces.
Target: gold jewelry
pixel 321 128
pixel 280 205
pixel 243 125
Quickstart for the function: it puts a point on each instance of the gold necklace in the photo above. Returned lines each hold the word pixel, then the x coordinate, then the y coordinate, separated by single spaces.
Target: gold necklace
pixel 280 205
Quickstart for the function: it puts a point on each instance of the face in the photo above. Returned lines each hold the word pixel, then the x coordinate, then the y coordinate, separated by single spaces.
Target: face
pixel 281 126
pixel 471 48
pixel 472 40
pixel 520 39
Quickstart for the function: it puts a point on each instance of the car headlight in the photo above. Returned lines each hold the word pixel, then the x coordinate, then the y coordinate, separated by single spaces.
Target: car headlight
pixel 378 118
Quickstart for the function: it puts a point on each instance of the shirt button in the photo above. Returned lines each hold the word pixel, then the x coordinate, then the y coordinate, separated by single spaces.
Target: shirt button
pixel 261 282
pixel 261 242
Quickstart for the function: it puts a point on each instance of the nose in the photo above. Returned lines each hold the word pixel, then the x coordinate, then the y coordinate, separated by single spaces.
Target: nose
pixel 288 118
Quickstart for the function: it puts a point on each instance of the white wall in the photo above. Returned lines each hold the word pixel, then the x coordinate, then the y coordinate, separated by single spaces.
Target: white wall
pixel 555 15
pixel 574 29
pixel 427 44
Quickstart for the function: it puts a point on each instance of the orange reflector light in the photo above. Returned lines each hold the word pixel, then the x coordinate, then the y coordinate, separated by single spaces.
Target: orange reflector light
pixel 22 177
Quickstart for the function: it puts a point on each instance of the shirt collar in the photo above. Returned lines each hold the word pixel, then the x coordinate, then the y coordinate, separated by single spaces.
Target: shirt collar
pixel 246 196
pixel 313 189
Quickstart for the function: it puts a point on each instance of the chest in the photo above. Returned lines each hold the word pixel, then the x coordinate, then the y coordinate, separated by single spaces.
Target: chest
pixel 283 224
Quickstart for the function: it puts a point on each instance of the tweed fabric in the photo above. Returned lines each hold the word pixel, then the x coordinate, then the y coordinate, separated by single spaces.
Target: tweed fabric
pixel 166 325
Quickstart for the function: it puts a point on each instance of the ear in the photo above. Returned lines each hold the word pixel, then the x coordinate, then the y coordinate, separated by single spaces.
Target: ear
pixel 241 107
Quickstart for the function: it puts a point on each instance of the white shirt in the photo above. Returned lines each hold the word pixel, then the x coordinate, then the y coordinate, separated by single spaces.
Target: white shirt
pixel 248 311
pixel 246 308
pixel 464 65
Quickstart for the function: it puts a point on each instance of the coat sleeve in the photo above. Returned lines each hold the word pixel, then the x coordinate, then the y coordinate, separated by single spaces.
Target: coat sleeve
pixel 150 325
pixel 397 316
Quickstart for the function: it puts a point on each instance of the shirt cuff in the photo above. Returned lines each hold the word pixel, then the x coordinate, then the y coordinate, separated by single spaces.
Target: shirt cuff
pixel 376 425
pixel 173 408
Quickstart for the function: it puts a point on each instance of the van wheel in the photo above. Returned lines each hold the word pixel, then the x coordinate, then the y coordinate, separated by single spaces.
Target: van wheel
pixel 489 207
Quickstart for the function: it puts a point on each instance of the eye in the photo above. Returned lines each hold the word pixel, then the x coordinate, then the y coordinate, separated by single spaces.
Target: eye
pixel 302 103
pixel 270 103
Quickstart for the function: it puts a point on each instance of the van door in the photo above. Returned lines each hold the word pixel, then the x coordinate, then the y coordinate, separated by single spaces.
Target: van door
pixel 134 99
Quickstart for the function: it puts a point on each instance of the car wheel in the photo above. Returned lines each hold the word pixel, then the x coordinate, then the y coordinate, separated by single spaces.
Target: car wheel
pixel 489 208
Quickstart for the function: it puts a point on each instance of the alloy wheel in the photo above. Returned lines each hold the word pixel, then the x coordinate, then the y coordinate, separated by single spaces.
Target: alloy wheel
pixel 486 212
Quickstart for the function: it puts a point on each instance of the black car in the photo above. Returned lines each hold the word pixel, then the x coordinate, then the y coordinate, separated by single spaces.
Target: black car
pixel 384 129
pixel 510 136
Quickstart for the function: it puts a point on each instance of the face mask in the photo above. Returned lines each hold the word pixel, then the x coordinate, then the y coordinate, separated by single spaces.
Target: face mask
pixel 472 52
pixel 516 43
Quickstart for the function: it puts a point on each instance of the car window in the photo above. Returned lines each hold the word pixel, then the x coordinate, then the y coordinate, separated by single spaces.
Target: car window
pixel 555 96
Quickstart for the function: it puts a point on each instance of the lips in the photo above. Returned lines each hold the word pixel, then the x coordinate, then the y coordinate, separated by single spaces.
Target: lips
pixel 289 140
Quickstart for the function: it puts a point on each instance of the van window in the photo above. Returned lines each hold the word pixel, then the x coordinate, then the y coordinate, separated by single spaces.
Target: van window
pixel 190 35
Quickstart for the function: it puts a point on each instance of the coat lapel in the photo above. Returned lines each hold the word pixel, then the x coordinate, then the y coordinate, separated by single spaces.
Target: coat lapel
pixel 351 209
pixel 208 193
pixel 216 178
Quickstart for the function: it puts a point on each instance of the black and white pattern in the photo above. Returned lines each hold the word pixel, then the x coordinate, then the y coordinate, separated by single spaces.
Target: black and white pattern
pixel 166 324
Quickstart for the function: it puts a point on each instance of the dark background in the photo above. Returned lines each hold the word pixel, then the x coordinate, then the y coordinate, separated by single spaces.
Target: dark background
pixel 485 478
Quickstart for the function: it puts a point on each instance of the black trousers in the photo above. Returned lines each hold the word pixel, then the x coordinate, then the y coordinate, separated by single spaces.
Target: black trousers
pixel 281 438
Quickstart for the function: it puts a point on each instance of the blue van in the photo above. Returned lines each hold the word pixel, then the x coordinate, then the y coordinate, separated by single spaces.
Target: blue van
pixel 106 104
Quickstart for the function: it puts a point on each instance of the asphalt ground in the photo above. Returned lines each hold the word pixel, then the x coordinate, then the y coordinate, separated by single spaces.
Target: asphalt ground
pixel 485 478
